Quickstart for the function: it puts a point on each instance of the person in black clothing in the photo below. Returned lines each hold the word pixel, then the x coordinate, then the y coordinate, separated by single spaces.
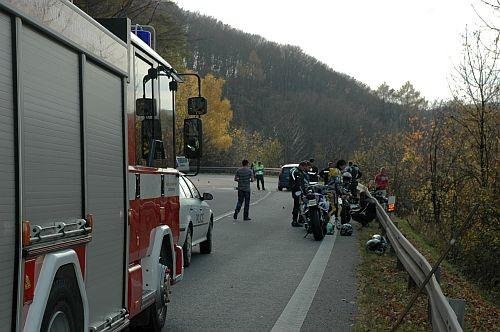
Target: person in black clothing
pixel 298 180
pixel 243 176
pixel 356 175
pixel 325 173
pixel 313 171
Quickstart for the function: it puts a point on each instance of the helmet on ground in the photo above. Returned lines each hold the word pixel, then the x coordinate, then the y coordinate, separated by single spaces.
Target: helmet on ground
pixel 346 230
pixel 376 244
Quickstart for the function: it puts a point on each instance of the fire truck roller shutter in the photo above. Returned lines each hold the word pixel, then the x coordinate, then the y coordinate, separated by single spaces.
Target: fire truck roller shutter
pixel 103 105
pixel 51 142
pixel 7 176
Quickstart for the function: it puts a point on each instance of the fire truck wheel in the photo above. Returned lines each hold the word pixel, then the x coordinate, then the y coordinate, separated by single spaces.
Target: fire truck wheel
pixel 206 246
pixel 63 312
pixel 158 311
pixel 187 248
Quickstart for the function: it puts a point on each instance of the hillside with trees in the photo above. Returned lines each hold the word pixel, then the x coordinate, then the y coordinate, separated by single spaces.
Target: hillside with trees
pixel 279 95
pixel 284 94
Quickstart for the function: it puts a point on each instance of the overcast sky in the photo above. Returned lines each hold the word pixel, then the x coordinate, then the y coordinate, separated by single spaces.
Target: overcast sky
pixel 371 40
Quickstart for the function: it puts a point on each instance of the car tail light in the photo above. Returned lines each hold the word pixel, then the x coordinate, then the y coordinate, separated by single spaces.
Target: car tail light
pixel 391 207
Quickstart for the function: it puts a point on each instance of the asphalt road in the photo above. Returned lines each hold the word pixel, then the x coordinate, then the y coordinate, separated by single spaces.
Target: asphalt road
pixel 263 274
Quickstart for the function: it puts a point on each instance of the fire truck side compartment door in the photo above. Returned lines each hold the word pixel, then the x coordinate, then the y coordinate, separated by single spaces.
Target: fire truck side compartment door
pixel 52 178
pixel 106 196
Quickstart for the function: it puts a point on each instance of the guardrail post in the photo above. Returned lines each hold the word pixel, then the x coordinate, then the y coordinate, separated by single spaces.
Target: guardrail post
pixel 458 305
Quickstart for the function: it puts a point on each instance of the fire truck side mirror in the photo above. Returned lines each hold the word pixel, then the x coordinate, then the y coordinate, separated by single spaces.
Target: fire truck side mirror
pixel 193 138
pixel 145 107
pixel 197 106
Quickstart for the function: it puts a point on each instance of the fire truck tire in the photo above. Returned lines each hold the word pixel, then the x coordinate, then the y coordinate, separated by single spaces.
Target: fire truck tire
pixel 158 311
pixel 206 246
pixel 63 312
pixel 187 248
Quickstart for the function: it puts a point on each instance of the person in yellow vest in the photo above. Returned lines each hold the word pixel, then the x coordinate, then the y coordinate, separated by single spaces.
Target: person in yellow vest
pixel 259 175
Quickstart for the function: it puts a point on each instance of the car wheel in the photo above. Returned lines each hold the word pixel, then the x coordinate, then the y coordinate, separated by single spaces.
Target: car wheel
pixel 187 248
pixel 206 246
pixel 280 188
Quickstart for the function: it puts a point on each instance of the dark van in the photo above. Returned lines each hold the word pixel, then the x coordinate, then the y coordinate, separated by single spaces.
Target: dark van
pixel 284 174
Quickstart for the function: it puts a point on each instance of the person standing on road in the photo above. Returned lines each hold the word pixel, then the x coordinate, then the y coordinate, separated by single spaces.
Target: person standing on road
pixel 313 171
pixel 382 181
pixel 356 175
pixel 297 181
pixel 325 173
pixel 243 176
pixel 259 175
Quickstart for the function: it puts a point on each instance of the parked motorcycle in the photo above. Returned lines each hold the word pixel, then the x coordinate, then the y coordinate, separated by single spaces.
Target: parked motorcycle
pixel 314 209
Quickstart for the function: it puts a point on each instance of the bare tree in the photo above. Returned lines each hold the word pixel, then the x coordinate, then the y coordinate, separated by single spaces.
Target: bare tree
pixel 477 91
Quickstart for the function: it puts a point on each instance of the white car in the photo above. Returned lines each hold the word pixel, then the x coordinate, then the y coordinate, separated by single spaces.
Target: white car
pixel 196 219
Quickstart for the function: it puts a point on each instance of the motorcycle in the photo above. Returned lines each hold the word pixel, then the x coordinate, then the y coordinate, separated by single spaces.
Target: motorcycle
pixel 314 209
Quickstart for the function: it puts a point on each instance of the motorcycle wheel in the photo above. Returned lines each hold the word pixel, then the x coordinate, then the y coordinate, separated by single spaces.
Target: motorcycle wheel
pixel 316 227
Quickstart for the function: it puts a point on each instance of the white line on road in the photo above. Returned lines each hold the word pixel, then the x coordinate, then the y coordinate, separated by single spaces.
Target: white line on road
pixel 231 212
pixel 295 312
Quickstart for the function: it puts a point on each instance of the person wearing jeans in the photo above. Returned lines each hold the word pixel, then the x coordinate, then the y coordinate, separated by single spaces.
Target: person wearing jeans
pixel 243 176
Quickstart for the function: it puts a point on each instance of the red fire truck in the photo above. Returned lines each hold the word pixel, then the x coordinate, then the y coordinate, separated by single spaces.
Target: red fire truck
pixel 89 204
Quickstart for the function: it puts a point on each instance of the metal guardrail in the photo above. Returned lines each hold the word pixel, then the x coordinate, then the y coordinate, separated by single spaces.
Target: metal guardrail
pixel 443 318
pixel 232 170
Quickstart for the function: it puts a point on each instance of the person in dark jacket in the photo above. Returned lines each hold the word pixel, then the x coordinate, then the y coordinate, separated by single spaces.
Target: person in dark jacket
pixel 325 173
pixel 243 176
pixel 356 175
pixel 313 171
pixel 298 180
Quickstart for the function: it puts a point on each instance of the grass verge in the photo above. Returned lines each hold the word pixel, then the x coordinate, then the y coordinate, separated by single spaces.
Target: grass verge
pixel 383 293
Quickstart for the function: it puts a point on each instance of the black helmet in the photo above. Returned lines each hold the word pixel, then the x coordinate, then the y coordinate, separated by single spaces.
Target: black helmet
pixel 347 177
pixel 376 244
pixel 346 230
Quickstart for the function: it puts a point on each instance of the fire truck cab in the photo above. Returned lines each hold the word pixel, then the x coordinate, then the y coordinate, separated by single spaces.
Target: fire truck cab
pixel 89 202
